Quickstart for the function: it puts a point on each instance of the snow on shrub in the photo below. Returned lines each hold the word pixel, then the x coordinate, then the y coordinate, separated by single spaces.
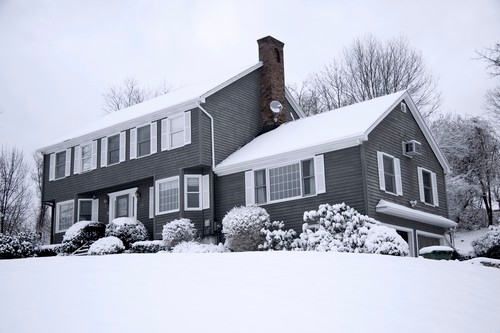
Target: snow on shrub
pixel 80 233
pixel 275 238
pixel 19 245
pixel 195 247
pixel 177 231
pixel 241 227
pixel 148 246
pixel 341 228
pixel 106 245
pixel 385 240
pixel 488 245
pixel 48 250
pixel 128 229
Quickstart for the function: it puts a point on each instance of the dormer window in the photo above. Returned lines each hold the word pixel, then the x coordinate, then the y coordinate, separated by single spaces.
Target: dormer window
pixel 412 148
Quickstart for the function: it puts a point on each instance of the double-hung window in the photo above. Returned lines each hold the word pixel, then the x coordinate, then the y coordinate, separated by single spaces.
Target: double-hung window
pixel 427 183
pixel 143 140
pixel 85 210
pixel 86 157
pixel 176 131
pixel 196 192
pixel 167 195
pixel 113 152
pixel 60 164
pixel 64 215
pixel 389 171
pixel 285 182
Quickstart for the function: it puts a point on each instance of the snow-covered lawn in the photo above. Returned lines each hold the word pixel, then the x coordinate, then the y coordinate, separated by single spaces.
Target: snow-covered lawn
pixel 463 240
pixel 247 292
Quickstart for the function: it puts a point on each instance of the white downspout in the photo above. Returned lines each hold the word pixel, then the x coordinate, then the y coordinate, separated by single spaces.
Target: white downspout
pixel 211 132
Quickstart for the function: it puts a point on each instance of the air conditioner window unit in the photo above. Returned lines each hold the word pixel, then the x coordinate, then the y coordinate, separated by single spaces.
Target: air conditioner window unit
pixel 412 148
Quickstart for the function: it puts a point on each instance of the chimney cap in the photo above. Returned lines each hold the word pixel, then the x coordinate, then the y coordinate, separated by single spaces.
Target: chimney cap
pixel 270 39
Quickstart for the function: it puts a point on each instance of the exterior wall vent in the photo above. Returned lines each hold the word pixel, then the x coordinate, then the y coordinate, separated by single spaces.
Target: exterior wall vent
pixel 412 148
pixel 403 107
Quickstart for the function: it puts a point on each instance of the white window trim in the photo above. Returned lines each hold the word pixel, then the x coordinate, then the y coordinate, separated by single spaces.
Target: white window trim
pixel 441 238
pixel 411 236
pixel 58 211
pixel 435 193
pixel 157 195
pixel 200 193
pixel 134 140
pixel 397 173
pixel 166 143
pixel 319 177
pixel 132 202
pixel 78 167
pixel 121 149
pixel 94 211
pixel 67 164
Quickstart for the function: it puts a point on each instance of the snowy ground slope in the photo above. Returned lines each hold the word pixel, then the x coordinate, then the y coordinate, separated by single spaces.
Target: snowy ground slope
pixel 463 240
pixel 247 292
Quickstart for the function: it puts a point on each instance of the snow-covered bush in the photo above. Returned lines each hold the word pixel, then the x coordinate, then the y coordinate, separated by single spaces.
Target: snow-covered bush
pixel 275 238
pixel 48 250
pixel 19 245
pixel 106 245
pixel 148 246
pixel 80 233
pixel 177 231
pixel 241 227
pixel 128 229
pixel 488 245
pixel 195 247
pixel 385 240
pixel 341 228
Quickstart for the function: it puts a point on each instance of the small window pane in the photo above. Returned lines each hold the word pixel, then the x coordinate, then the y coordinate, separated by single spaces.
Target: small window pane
pixel 308 181
pixel 177 139
pixel 260 186
pixel 177 124
pixel 390 179
pixel 85 211
pixel 193 200
pixel 144 140
pixel 86 157
pixel 61 164
pixel 121 208
pixel 114 149
pixel 193 192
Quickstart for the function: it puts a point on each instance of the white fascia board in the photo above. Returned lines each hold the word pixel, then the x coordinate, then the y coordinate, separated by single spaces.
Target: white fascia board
pixel 291 156
pixel 390 208
pixel 294 104
pixel 150 117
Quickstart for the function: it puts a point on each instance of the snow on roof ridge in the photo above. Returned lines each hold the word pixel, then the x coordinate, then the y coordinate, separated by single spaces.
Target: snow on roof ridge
pixel 185 95
pixel 350 122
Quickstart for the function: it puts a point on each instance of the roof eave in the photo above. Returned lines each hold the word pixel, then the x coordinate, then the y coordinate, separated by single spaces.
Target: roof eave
pixel 291 156
pixel 397 210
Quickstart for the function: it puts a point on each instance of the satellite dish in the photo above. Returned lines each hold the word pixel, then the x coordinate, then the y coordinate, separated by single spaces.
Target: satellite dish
pixel 276 106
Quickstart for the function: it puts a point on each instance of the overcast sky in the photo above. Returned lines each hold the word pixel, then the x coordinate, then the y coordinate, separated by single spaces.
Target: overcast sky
pixel 57 57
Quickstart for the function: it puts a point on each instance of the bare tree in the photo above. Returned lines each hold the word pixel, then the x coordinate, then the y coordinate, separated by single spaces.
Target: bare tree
pixel 492 56
pixel 42 225
pixel 471 145
pixel 15 195
pixel 369 69
pixel 130 93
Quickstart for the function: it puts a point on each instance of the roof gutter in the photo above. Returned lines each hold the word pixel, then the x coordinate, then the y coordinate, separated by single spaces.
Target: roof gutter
pixel 211 132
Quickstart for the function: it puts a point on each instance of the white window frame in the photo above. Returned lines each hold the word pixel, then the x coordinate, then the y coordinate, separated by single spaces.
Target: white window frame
pixel 132 206
pixel 319 181
pixel 94 210
pixel 411 235
pixel 441 238
pixel 435 193
pixel 200 192
pixel 397 173
pixel 58 214
pixel 67 164
pixel 78 163
pixel 157 195
pixel 134 140
pixel 166 134
pixel 105 149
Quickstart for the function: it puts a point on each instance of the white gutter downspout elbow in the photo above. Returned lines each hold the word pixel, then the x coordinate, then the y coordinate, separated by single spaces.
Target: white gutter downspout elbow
pixel 211 132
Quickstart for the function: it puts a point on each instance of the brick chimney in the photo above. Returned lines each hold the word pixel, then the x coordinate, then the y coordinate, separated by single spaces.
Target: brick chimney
pixel 272 81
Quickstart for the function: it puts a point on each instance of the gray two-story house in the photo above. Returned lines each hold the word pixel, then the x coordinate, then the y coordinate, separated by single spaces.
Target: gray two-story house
pixel 200 151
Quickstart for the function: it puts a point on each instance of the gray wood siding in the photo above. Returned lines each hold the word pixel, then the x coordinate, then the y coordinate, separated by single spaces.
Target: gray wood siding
pixel 344 183
pixel 387 137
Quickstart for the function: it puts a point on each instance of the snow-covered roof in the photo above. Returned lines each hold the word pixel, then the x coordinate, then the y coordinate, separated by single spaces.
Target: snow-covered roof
pixel 179 100
pixel 338 129
pixel 393 209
